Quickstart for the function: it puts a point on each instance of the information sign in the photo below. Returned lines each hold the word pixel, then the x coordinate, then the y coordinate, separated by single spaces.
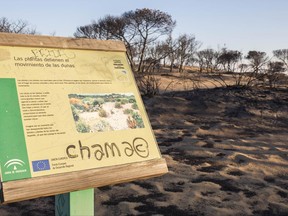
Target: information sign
pixel 70 107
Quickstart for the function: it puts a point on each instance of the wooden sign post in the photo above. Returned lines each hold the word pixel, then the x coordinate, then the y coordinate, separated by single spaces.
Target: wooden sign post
pixel 72 119
pixel 75 203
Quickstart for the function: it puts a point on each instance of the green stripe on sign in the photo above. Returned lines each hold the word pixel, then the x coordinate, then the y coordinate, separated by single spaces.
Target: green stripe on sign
pixel 13 152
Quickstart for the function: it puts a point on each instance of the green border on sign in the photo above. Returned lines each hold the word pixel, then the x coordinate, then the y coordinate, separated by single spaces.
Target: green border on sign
pixel 13 152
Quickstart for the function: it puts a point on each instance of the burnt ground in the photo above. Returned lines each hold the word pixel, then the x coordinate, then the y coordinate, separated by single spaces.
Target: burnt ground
pixel 227 154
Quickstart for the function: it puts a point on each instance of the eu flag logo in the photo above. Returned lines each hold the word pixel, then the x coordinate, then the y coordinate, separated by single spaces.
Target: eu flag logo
pixel 40 165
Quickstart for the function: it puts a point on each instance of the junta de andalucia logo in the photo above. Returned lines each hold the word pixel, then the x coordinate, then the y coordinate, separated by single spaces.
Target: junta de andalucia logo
pixel 14 166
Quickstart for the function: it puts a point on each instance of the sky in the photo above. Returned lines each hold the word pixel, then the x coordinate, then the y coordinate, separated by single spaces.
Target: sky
pixel 235 24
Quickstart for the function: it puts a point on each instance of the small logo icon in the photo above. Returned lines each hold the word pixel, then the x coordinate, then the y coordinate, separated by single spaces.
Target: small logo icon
pixel 41 165
pixel 16 163
pixel 122 75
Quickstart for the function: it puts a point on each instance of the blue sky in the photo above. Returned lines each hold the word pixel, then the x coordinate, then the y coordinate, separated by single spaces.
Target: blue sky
pixel 237 24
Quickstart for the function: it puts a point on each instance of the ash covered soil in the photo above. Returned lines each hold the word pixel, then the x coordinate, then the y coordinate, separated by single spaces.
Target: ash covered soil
pixel 227 154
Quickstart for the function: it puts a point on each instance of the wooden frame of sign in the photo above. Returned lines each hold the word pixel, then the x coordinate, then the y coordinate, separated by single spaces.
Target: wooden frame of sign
pixel 130 158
